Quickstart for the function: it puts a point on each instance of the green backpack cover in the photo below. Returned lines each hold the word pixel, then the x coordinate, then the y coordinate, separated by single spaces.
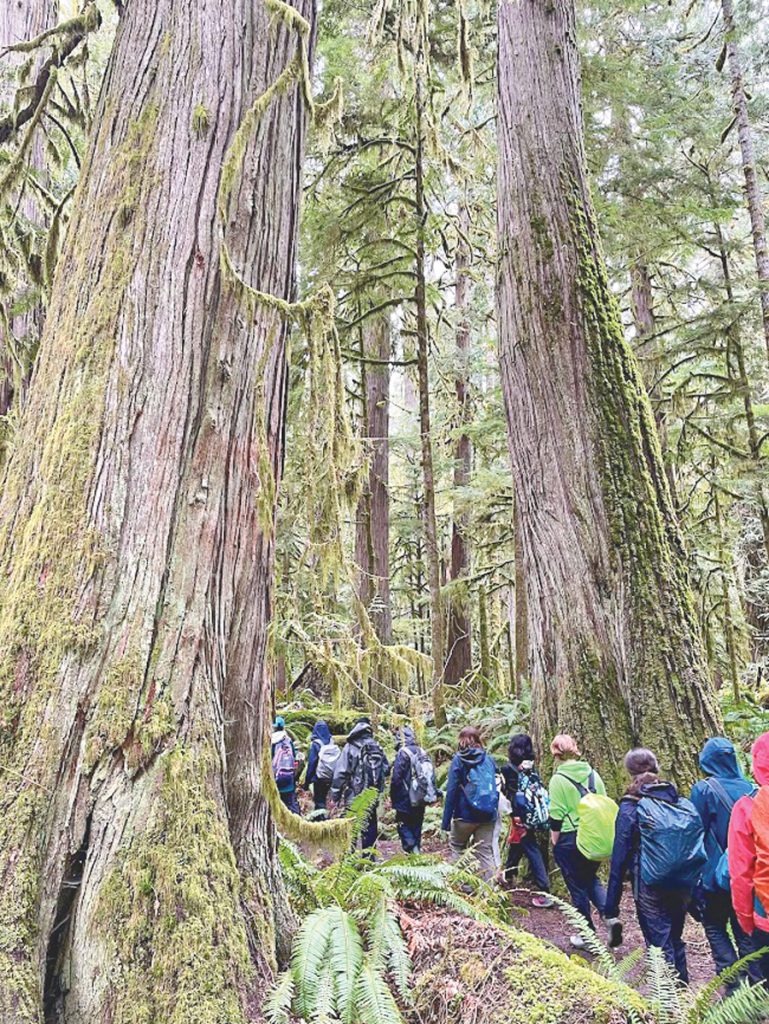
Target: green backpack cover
pixel 596 815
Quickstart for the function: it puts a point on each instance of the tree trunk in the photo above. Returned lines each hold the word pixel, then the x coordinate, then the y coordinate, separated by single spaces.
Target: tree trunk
pixel 21 20
pixel 752 188
pixel 459 644
pixel 137 849
pixel 372 542
pixel 432 545
pixel 521 610
pixel 615 649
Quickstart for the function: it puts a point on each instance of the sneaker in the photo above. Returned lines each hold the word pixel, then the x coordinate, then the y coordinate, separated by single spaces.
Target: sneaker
pixel 577 942
pixel 543 902
pixel 614 928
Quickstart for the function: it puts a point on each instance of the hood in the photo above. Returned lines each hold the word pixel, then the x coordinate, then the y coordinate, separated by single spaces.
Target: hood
pixel 760 755
pixel 577 771
pixel 405 737
pixel 472 756
pixel 321 732
pixel 660 791
pixel 361 731
pixel 277 736
pixel 719 758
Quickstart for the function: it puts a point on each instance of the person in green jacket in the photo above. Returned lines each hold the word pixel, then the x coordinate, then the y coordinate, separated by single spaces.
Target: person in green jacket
pixel 573 778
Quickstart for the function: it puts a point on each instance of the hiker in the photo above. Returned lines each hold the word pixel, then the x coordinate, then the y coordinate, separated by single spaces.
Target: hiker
pixel 572 781
pixel 321 762
pixel 658 843
pixel 284 764
pixel 471 805
pixel 530 805
pixel 361 765
pixel 748 856
pixel 412 789
pixel 714 798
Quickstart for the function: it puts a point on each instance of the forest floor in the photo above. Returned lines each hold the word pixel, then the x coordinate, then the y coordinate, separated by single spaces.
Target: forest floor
pixel 550 925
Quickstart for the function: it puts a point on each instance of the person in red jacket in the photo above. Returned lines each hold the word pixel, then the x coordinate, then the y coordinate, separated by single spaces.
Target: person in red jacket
pixel 751 913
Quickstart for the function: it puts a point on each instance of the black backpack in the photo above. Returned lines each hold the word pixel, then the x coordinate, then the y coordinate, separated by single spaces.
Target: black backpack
pixel 369 770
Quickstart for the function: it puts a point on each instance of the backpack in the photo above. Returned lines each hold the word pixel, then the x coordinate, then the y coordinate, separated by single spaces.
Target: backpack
pixel 480 788
pixel 369 770
pixel 672 843
pixel 536 799
pixel 721 870
pixel 422 788
pixel 596 815
pixel 284 762
pixel 328 755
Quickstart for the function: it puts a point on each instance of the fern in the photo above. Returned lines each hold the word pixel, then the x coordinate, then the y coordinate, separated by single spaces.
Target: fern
pixel 702 1004
pixel 360 811
pixel 277 1006
pixel 345 955
pixel 598 949
pixel 664 989
pixel 748 1004
pixel 373 999
pixel 308 956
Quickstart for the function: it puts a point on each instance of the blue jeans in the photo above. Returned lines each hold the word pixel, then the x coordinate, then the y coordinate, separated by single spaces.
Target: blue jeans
pixel 410 829
pixel 580 875
pixel 290 800
pixel 320 790
pixel 717 915
pixel 662 915
pixel 530 847
pixel 370 831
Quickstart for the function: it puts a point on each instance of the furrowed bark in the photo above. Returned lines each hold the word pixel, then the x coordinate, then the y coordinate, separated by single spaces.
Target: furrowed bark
pixel 137 848
pixel 459 642
pixel 615 650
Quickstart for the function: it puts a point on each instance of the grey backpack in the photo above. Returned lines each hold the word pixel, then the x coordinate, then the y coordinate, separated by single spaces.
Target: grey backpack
pixel 422 788
pixel 328 755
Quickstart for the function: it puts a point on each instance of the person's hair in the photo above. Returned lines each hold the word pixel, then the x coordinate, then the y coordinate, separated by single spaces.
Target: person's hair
pixel 564 747
pixel 470 736
pixel 641 760
pixel 521 749
pixel 639 781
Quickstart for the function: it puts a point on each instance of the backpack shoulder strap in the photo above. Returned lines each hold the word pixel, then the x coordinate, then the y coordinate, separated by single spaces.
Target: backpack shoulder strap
pixel 577 785
pixel 722 796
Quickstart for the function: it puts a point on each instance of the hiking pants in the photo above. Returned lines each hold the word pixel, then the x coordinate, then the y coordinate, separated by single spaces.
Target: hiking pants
pixel 529 847
pixel 717 915
pixel 479 835
pixel 761 941
pixel 580 875
pixel 370 832
pixel 661 915
pixel 290 800
pixel 320 790
pixel 410 829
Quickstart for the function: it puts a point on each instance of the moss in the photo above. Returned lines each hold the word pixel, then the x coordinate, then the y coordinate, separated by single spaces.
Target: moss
pixel 201 121
pixel 170 912
pixel 50 553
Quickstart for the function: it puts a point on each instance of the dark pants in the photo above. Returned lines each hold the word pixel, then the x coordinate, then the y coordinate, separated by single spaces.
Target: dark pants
pixel 717 915
pixel 760 940
pixel 529 847
pixel 320 790
pixel 290 800
pixel 370 831
pixel 410 829
pixel 580 875
pixel 662 915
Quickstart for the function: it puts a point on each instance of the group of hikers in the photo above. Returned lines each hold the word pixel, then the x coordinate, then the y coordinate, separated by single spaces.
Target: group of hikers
pixel 706 856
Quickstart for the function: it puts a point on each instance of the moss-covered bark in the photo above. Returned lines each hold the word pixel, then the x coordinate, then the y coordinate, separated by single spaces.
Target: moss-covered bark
pixel 615 649
pixel 138 870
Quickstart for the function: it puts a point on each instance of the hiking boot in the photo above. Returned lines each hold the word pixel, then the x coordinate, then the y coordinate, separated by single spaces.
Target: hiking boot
pixel 614 928
pixel 577 942
pixel 543 902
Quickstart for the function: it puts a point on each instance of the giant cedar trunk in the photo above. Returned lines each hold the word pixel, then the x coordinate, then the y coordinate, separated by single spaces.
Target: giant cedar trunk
pixel 21 20
pixel 137 850
pixel 614 647
pixel 372 542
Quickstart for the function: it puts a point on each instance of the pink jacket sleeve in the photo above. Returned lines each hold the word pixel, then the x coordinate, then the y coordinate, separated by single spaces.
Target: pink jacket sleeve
pixel 742 862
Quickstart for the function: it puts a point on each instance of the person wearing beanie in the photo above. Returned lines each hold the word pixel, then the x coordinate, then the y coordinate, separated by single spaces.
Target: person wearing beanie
pixel 715 797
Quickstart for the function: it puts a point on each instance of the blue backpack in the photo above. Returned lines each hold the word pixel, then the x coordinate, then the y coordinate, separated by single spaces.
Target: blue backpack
pixel 480 788
pixel 672 843
pixel 721 872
